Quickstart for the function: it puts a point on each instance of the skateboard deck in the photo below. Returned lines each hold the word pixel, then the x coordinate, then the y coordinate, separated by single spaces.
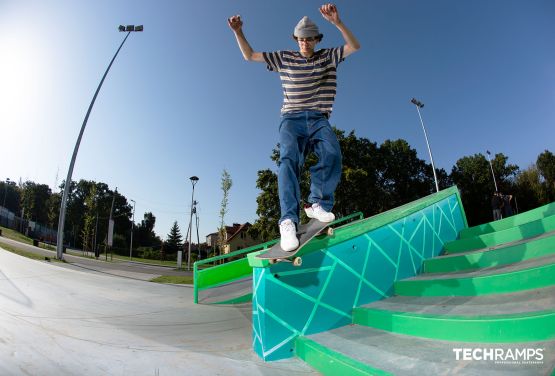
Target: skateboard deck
pixel 304 233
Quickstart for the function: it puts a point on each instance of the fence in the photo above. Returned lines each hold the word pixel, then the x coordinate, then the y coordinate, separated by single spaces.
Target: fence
pixel 32 229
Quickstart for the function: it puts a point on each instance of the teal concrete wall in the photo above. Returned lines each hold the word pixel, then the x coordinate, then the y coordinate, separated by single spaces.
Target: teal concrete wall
pixel 358 268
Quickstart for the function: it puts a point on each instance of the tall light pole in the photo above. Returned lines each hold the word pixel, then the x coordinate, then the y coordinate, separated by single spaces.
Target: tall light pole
pixel 132 225
pixel 61 221
pixel 491 166
pixel 6 192
pixel 194 181
pixel 419 105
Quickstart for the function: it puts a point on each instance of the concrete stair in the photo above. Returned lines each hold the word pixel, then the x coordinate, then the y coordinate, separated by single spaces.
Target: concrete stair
pixel 474 311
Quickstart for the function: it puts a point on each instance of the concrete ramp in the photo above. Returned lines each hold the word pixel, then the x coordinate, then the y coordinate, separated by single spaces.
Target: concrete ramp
pixel 59 321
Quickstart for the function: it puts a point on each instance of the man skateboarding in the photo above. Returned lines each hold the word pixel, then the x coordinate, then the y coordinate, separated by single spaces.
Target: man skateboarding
pixel 308 78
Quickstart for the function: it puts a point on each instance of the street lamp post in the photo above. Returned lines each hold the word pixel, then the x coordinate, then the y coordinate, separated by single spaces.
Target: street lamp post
pixel 491 166
pixel 6 192
pixel 132 225
pixel 419 105
pixel 194 180
pixel 61 221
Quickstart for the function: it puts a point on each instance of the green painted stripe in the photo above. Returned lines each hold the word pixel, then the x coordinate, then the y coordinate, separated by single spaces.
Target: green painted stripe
pixel 505 223
pixel 527 279
pixel 329 362
pixel 224 273
pixel 512 234
pixel 240 299
pixel 524 327
pixel 497 257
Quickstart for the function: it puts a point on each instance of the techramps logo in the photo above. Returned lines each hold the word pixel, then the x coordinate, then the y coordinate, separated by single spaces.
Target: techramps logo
pixel 516 356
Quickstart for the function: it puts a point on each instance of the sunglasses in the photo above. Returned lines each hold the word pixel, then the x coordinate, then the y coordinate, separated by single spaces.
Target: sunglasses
pixel 311 39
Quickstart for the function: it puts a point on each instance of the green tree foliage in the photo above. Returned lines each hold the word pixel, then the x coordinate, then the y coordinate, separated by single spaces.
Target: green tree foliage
pixel 529 190
pixel 89 216
pixel 144 233
pixel 546 167
pixel 226 184
pixel 174 241
pixel 474 179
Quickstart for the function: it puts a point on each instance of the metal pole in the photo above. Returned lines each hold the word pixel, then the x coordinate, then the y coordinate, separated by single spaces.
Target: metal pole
pixel 132 225
pixel 198 238
pixel 6 192
pixel 109 221
pixel 194 180
pixel 418 105
pixel 61 222
pixel 492 173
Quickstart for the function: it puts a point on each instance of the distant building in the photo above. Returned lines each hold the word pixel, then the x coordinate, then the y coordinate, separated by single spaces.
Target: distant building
pixel 237 238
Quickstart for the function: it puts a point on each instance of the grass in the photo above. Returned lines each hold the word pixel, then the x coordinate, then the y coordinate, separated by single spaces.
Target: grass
pixel 178 280
pixel 27 254
pixel 14 235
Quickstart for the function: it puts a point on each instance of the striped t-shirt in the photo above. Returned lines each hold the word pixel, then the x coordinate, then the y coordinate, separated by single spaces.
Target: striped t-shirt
pixel 309 84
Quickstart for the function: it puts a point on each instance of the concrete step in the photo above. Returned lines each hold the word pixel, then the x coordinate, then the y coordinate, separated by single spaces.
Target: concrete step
pixel 526 231
pixel 540 246
pixel 521 316
pixel 526 275
pixel 359 350
pixel 512 221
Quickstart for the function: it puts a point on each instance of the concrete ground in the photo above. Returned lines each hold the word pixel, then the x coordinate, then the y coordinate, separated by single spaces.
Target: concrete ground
pixel 57 320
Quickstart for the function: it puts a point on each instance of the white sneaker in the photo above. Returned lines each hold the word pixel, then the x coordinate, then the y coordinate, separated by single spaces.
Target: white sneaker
pixel 316 211
pixel 288 231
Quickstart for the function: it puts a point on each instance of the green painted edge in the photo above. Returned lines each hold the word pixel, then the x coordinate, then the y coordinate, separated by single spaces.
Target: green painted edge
pixel 223 273
pixel 512 221
pixel 357 228
pixel 484 259
pixel 522 327
pixel 527 279
pixel 238 300
pixel 525 231
pixel 329 362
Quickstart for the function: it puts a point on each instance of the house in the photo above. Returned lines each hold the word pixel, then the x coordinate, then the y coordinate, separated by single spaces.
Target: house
pixel 237 238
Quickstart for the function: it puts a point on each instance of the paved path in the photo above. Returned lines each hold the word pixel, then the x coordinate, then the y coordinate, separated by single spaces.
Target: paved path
pixel 121 268
pixel 60 321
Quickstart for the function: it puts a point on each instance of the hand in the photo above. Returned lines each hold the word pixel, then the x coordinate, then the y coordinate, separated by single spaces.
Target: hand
pixel 330 13
pixel 235 23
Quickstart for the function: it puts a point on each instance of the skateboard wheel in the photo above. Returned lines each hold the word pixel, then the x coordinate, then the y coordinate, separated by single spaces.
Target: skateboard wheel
pixel 330 231
pixel 272 261
pixel 297 261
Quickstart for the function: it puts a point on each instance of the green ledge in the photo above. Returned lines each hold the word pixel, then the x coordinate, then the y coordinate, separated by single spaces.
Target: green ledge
pixel 504 283
pixel 505 223
pixel 486 259
pixel 525 231
pixel 524 327
pixel 363 226
pixel 329 362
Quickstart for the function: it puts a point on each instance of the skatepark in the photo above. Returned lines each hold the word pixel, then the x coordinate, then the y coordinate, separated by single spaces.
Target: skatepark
pixel 409 291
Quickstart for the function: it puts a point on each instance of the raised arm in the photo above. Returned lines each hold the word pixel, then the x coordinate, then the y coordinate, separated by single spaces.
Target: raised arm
pixel 330 13
pixel 236 25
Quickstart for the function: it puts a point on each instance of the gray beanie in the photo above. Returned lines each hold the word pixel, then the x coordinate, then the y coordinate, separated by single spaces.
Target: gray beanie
pixel 306 29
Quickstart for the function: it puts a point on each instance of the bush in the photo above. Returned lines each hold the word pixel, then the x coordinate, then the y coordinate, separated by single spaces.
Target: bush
pixel 149 253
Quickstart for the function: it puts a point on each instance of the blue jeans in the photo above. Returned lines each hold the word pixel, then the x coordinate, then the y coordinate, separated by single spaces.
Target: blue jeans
pixel 299 134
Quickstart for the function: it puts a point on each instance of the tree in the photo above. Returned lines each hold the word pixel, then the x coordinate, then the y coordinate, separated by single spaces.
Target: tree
pixel 472 175
pixel 529 190
pixel 226 184
pixel 89 217
pixel 174 240
pixel 546 167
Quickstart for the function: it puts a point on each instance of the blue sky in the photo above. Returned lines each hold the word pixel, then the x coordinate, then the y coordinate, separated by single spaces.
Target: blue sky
pixel 180 100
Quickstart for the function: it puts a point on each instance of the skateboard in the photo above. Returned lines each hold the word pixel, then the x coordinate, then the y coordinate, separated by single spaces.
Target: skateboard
pixel 304 233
